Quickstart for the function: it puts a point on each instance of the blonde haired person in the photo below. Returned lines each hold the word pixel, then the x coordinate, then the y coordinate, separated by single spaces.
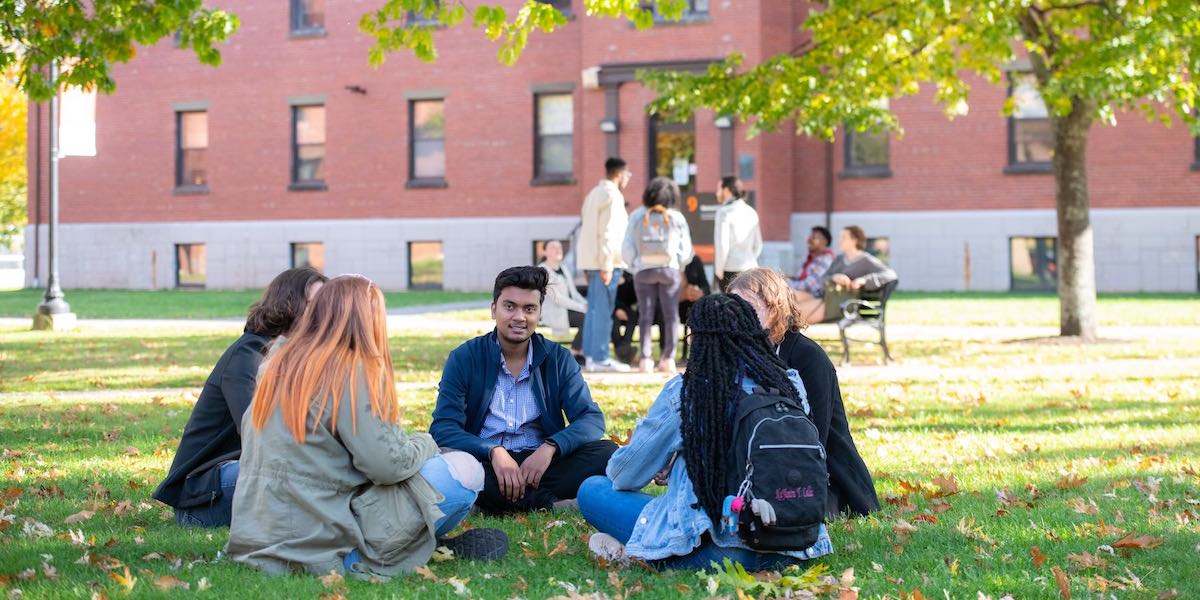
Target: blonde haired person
pixel 328 479
pixel 851 488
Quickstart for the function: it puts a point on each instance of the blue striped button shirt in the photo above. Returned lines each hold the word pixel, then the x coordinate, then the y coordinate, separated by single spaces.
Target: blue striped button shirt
pixel 512 419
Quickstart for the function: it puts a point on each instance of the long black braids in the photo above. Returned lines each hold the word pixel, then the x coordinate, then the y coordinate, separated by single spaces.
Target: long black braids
pixel 728 343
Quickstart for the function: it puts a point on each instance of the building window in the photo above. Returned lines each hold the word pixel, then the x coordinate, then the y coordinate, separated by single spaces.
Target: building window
pixel 308 146
pixel 539 251
pixel 308 254
pixel 428 15
pixel 308 16
pixel 1034 263
pixel 426 265
pixel 880 247
pixel 191 266
pixel 563 6
pixel 1030 137
pixel 427 142
pixel 673 152
pixel 695 9
pixel 191 149
pixel 554 157
pixel 1196 154
pixel 867 154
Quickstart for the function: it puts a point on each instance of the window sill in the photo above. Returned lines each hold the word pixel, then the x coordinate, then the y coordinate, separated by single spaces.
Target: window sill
pixel 553 180
pixel 300 34
pixel 1032 168
pixel 686 19
pixel 190 190
pixel 307 186
pixel 430 183
pixel 866 172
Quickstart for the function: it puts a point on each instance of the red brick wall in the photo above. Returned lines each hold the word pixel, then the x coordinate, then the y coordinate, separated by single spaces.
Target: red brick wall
pixel 489 113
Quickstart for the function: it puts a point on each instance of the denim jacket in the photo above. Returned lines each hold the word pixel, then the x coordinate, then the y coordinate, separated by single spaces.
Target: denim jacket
pixel 669 525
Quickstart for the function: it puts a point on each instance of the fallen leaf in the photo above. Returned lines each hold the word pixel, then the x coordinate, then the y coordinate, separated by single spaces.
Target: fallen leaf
pixel 126 581
pixel 947 485
pixel 442 554
pixel 333 579
pixel 49 571
pixel 1140 542
pixel 1064 584
pixel 1038 558
pixel 1086 560
pixel 202 584
pixel 167 583
pixel 427 574
pixel 1070 481
pixel 82 515
pixel 132 451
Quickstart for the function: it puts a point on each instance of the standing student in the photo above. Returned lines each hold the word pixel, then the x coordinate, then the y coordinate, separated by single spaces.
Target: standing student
pixel 601 233
pixel 851 488
pixel 685 437
pixel 737 239
pixel 329 480
pixel 657 247
pixel 203 474
pixel 518 402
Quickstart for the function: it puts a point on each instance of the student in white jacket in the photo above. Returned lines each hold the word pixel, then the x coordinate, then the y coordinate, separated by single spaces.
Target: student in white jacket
pixel 737 239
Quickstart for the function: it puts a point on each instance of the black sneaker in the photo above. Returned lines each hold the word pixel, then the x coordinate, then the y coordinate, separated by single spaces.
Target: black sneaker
pixel 478 544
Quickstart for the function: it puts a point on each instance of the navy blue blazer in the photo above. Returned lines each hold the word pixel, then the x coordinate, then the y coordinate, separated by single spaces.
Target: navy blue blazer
pixel 469 378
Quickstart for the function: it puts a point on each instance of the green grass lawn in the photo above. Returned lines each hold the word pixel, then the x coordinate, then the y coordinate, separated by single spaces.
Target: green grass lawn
pixel 994 474
pixel 186 304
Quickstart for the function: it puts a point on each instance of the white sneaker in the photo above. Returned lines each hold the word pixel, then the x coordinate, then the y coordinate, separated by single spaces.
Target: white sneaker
pixel 607 365
pixel 607 547
pixel 647 365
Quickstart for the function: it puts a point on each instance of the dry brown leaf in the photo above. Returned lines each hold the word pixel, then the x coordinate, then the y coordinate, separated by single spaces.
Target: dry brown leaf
pixel 49 571
pixel 82 515
pixel 1064 583
pixel 1070 481
pixel 427 574
pixel 333 579
pixel 167 583
pixel 1038 558
pixel 132 451
pixel 938 506
pixel 1087 560
pixel 947 485
pixel 1141 542
pixel 520 586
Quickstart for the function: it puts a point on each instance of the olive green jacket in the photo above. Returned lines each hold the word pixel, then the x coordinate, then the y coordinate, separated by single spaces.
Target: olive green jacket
pixel 303 507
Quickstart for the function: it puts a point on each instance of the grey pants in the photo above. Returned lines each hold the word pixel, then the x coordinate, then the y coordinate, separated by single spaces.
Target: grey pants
pixel 658 288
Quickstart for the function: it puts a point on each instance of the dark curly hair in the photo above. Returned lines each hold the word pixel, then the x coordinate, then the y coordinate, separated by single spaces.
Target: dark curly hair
pixel 282 302
pixel 526 278
pixel 728 343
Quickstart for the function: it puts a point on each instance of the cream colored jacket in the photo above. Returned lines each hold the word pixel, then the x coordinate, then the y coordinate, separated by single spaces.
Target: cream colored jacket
pixel 602 230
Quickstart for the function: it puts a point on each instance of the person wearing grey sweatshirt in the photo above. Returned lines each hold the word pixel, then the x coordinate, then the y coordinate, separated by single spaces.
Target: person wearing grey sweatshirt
pixel 854 269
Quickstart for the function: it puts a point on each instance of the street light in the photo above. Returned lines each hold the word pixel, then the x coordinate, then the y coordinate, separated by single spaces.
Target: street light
pixel 54 313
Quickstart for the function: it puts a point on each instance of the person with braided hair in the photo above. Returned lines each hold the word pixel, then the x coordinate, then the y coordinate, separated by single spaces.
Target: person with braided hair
pixel 685 439
pixel 851 488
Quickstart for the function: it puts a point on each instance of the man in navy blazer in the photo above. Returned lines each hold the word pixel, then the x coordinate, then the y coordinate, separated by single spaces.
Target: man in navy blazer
pixel 519 404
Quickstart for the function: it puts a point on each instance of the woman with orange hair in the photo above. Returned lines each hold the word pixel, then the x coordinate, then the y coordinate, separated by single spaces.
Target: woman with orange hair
pixel 851 489
pixel 328 479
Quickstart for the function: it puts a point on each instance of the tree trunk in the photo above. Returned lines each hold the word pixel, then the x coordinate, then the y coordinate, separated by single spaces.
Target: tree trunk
pixel 1076 254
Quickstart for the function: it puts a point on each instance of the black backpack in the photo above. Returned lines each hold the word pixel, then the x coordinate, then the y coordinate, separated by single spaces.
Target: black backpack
pixel 777 456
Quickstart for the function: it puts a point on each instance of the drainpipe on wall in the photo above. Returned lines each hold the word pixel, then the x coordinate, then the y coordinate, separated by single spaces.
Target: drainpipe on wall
pixel 829 185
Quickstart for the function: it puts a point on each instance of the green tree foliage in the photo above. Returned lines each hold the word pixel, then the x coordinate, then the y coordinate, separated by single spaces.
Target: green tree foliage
pixel 86 38
pixel 1090 58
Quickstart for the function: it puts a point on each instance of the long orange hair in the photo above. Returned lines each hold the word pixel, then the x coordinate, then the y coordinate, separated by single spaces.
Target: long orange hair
pixel 341 336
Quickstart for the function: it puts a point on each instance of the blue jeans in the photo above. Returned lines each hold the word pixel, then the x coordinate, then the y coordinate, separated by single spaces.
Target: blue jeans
pixel 616 513
pixel 597 324
pixel 219 513
pixel 455 506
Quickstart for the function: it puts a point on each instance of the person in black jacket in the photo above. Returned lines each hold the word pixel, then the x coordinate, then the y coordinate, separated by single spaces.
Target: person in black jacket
pixel 851 489
pixel 202 477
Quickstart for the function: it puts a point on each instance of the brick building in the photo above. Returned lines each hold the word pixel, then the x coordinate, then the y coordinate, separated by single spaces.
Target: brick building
pixel 423 175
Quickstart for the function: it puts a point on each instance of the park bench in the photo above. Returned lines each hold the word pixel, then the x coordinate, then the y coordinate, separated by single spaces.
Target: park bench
pixel 870 310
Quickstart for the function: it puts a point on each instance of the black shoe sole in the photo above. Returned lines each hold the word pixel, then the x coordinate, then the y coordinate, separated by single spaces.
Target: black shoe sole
pixel 478 544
